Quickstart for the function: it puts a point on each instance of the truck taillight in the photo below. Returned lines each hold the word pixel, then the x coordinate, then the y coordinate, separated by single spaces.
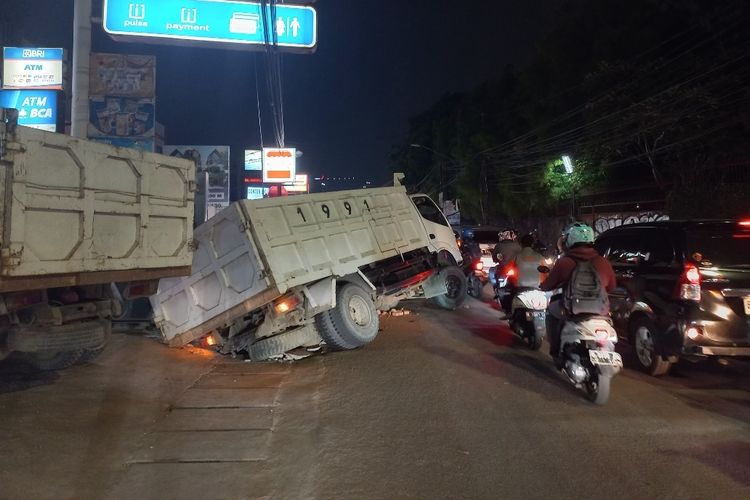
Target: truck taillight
pixel 689 286
pixel 18 301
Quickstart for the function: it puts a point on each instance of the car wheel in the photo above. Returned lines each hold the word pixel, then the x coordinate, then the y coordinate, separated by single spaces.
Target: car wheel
pixel 353 322
pixel 644 334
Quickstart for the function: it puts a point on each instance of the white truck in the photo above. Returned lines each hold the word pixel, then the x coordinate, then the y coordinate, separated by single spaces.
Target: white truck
pixel 279 273
pixel 76 217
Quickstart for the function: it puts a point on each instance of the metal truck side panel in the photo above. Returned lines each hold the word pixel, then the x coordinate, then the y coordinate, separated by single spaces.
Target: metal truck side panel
pixel 227 276
pixel 255 251
pixel 74 207
pixel 307 238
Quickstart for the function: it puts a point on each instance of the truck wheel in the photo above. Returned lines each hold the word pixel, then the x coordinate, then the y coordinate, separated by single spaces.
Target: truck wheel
pixel 353 322
pixel 53 360
pixel 455 282
pixel 279 344
pixel 88 355
pixel 643 340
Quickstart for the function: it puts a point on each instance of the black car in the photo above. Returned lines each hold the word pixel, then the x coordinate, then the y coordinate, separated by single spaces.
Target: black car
pixel 683 289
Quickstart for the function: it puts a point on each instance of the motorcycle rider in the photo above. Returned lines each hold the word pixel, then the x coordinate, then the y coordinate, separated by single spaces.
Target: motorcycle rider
pixel 528 262
pixel 469 245
pixel 578 245
pixel 508 248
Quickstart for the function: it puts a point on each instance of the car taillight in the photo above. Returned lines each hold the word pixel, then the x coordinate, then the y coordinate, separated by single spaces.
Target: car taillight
pixel 689 286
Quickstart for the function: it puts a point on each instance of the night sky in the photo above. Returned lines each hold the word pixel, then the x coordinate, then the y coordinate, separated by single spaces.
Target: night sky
pixel 377 64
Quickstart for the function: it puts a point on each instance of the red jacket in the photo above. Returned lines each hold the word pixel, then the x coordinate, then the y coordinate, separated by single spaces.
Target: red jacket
pixel 564 266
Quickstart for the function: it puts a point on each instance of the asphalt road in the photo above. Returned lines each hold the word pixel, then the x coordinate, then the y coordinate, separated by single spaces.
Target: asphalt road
pixel 441 405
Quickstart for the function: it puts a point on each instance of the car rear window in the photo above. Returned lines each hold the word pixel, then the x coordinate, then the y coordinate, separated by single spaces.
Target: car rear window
pixel 481 236
pixel 719 245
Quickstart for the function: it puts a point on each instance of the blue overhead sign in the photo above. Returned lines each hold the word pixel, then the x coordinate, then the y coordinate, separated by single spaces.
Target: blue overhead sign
pixel 36 108
pixel 213 21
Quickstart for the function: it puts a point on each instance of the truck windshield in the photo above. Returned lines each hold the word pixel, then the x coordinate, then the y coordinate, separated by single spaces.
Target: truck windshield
pixel 720 244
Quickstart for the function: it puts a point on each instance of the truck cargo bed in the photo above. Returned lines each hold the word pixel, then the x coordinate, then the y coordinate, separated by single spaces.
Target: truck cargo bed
pixel 80 212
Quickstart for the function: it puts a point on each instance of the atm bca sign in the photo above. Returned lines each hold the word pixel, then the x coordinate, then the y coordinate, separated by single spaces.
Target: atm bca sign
pixel 279 164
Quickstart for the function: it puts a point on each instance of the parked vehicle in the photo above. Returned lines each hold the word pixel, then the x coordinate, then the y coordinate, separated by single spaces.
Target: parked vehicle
pixel 77 216
pixel 683 289
pixel 528 316
pixel 274 274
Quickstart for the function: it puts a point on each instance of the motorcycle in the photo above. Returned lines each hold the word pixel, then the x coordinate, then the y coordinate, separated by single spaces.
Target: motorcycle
pixel 587 355
pixel 528 316
pixel 475 277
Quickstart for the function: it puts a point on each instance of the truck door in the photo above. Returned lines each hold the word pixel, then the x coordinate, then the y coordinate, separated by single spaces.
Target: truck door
pixel 439 231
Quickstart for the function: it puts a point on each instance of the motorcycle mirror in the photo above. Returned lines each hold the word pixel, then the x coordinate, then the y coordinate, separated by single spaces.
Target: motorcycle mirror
pixel 543 269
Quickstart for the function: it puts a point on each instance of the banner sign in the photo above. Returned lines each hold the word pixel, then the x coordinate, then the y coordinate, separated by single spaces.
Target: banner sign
pixel 213 22
pixel 26 68
pixel 279 164
pixel 213 160
pixel 122 75
pixel 36 108
pixel 121 117
pixel 143 144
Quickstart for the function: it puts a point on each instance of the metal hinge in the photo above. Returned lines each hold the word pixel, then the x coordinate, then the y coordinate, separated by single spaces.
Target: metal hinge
pixel 192 245
pixel 11 257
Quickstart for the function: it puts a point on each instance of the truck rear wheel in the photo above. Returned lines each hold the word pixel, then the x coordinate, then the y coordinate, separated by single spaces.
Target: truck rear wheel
pixel 353 322
pixel 456 284
pixel 52 360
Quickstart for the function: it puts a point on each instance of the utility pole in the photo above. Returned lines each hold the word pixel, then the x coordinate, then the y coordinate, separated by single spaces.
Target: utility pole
pixel 483 190
pixel 79 119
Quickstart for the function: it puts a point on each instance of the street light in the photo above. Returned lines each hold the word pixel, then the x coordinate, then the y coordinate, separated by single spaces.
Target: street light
pixel 568 164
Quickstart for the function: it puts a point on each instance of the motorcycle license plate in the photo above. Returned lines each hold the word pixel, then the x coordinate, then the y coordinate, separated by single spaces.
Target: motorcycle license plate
pixel 747 305
pixel 605 358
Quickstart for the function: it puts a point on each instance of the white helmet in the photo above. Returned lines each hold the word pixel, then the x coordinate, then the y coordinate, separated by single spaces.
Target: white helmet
pixel 578 232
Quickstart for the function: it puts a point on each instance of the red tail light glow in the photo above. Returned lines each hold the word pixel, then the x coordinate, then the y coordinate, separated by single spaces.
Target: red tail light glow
pixel 478 266
pixel 689 286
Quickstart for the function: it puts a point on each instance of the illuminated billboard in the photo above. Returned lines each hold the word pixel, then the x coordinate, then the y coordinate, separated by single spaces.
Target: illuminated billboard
pixel 36 108
pixel 279 165
pixel 32 68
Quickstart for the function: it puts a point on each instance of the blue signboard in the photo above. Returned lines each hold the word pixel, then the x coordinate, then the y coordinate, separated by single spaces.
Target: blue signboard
pixel 36 108
pixel 213 22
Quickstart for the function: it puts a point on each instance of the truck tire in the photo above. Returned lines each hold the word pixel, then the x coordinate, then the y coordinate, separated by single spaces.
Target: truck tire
pixel 88 355
pixel 455 282
pixel 279 344
pixel 353 322
pixel 52 360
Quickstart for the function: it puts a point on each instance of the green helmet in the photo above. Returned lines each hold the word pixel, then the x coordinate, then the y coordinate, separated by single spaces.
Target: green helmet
pixel 578 232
